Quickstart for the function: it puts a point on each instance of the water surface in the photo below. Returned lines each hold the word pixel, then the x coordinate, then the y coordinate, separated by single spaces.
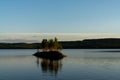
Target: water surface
pixel 80 64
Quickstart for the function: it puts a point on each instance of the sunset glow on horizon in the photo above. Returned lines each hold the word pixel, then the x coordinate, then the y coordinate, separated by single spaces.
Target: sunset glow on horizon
pixel 37 37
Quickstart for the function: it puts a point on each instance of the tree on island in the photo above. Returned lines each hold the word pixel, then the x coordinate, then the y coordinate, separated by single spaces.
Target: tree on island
pixel 50 45
pixel 44 44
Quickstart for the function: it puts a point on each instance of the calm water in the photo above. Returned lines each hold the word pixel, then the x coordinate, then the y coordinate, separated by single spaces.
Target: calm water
pixel 80 64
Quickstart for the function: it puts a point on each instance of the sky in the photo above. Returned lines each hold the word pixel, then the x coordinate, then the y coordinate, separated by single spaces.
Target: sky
pixel 78 17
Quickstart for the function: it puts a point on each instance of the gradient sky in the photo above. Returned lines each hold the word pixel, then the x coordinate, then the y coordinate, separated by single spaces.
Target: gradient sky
pixel 59 16
pixel 86 18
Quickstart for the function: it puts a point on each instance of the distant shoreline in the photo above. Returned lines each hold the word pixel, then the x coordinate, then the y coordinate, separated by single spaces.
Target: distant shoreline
pixel 106 43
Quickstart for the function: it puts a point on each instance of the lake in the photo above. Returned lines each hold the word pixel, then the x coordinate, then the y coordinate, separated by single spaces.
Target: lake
pixel 80 64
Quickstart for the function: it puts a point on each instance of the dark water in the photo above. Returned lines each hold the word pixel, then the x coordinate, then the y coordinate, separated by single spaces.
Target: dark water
pixel 80 64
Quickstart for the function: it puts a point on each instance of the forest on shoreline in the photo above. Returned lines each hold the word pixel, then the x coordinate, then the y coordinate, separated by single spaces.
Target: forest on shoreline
pixel 106 43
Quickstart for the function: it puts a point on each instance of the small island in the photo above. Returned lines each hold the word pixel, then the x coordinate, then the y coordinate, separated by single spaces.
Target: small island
pixel 50 49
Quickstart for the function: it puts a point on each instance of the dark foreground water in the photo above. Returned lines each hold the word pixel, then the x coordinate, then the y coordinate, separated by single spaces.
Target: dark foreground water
pixel 81 64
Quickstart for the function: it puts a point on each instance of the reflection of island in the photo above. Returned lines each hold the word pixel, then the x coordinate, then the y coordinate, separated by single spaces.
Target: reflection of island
pixel 50 66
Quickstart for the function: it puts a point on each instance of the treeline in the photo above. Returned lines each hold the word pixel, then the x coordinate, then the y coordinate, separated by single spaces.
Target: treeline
pixel 19 45
pixel 111 43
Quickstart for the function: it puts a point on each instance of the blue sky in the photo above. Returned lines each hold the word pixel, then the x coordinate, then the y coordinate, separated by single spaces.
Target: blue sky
pixel 85 18
pixel 59 16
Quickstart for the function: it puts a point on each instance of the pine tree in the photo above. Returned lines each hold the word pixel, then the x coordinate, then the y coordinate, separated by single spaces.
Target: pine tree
pixel 50 45
pixel 44 44
pixel 57 46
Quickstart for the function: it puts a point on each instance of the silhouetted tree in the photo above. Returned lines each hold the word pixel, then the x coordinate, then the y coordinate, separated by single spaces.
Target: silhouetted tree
pixel 50 45
pixel 57 46
pixel 44 44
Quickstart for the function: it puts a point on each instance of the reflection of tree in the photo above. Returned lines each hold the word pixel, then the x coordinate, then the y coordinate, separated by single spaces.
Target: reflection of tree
pixel 38 62
pixel 50 66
